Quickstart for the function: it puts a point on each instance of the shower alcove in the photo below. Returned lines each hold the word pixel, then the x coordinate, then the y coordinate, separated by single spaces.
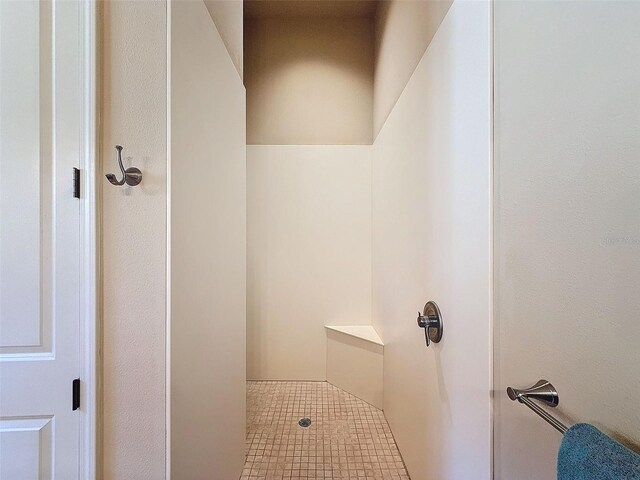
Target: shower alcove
pixel 309 74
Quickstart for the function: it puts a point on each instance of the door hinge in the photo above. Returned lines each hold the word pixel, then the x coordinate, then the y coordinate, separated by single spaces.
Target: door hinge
pixel 75 393
pixel 76 182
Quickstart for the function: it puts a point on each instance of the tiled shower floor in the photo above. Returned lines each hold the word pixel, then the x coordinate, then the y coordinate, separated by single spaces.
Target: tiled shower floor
pixel 347 439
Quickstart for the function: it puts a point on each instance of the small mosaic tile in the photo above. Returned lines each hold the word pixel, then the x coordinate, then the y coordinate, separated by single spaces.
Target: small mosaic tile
pixel 347 437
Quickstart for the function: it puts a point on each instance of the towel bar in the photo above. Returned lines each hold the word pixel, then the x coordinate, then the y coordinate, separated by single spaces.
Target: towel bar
pixel 544 392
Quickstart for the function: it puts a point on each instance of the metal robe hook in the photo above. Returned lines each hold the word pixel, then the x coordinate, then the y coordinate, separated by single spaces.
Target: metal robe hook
pixel 131 176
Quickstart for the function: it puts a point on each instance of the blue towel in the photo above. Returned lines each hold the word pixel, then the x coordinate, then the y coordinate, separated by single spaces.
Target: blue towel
pixel 588 454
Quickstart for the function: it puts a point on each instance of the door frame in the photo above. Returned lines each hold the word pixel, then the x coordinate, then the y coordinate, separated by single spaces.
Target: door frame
pixel 90 367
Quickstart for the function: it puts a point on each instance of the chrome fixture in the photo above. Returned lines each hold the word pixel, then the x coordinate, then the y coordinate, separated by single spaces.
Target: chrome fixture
pixel 305 422
pixel 431 321
pixel 543 392
pixel 131 176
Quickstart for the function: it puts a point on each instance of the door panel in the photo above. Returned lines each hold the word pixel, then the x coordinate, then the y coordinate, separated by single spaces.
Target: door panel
pixel 27 448
pixel 40 140
pixel 25 177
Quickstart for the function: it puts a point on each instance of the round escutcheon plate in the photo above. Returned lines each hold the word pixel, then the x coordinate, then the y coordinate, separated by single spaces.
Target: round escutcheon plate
pixel 434 331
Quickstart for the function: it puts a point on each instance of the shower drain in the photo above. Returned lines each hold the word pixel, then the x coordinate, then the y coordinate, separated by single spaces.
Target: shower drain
pixel 304 422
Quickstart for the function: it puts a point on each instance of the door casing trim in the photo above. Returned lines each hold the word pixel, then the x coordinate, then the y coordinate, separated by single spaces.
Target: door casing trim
pixel 90 338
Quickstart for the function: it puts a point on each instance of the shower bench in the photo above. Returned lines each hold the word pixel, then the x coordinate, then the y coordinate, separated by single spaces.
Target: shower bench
pixel 354 361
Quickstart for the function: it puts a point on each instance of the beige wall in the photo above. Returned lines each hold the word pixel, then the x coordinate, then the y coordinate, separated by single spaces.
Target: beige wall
pixel 208 251
pixel 431 241
pixel 133 239
pixel 567 229
pixel 227 16
pixel 403 30
pixel 309 80
pixel 309 254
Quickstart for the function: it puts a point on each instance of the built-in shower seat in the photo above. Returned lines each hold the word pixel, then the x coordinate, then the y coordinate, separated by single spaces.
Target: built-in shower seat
pixel 354 361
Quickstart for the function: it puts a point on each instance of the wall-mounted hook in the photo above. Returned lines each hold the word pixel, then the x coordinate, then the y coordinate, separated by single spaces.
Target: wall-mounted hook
pixel 131 176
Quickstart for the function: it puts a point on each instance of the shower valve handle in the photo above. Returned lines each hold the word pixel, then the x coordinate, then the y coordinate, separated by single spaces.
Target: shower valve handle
pixel 424 321
pixel 431 320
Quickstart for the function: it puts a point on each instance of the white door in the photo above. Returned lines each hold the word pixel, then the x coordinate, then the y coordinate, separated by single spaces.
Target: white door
pixel 40 143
